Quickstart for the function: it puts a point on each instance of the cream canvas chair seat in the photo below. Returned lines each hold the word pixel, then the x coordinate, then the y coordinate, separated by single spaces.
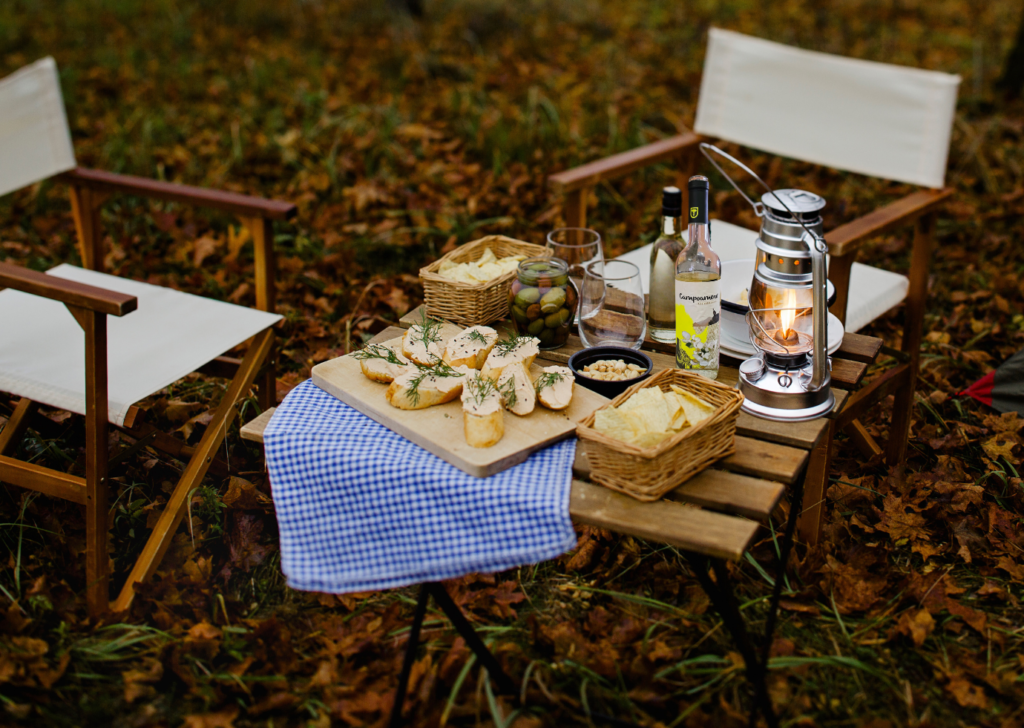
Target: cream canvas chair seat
pixel 873 291
pixel 94 344
pixel 42 350
pixel 869 118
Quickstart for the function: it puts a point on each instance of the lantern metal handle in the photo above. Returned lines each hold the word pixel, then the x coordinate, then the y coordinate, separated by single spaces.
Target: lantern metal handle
pixel 706 149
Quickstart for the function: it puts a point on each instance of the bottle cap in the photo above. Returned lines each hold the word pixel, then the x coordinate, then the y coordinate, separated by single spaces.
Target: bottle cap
pixel 671 202
pixel 698 181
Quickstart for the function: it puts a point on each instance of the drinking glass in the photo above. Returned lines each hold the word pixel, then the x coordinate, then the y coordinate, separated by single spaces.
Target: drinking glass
pixel 578 247
pixel 612 305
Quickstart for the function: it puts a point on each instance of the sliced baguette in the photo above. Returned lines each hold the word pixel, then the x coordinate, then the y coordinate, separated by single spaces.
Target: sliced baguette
pixel 418 351
pixel 431 389
pixel 467 350
pixel 379 369
pixel 522 351
pixel 483 421
pixel 517 393
pixel 555 387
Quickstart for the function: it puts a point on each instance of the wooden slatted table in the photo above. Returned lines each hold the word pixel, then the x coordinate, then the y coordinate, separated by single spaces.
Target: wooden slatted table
pixel 713 517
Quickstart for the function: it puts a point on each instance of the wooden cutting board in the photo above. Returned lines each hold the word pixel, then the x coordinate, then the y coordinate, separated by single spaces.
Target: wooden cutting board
pixel 439 429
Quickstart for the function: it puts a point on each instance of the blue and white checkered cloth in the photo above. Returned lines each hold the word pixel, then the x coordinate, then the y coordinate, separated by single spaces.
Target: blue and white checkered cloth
pixel 360 508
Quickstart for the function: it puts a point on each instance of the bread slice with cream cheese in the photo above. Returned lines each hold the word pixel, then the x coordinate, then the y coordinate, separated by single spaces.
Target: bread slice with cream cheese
pixel 518 350
pixel 555 387
pixel 471 347
pixel 381 362
pixel 483 419
pixel 422 387
pixel 516 389
pixel 423 343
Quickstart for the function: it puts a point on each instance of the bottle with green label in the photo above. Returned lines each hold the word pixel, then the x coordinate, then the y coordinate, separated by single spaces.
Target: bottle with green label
pixel 698 289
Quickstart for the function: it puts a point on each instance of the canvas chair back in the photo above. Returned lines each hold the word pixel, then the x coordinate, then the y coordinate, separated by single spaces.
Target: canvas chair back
pixel 35 142
pixel 872 118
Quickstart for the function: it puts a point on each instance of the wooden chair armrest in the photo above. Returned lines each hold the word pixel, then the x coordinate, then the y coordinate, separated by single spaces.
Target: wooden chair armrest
pixel 622 164
pixel 848 238
pixel 241 205
pixel 68 292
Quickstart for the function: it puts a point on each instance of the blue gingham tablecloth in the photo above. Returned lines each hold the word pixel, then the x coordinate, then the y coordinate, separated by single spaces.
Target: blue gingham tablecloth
pixel 360 508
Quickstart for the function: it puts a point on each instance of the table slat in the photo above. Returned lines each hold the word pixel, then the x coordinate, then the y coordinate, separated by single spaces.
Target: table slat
pixel 676 524
pixel 713 488
pixel 254 430
pixel 766 460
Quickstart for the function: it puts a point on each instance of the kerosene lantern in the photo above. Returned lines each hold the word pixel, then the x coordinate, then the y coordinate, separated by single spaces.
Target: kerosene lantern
pixel 789 378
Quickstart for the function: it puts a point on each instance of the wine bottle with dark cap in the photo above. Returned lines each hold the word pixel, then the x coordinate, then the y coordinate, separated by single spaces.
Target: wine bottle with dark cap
pixel 661 303
pixel 698 289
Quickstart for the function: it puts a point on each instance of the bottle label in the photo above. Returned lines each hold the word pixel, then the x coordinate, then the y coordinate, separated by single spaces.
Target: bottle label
pixel 698 319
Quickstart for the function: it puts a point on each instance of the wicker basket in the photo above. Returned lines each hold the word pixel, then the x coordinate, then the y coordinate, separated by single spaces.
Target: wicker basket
pixel 649 473
pixel 473 304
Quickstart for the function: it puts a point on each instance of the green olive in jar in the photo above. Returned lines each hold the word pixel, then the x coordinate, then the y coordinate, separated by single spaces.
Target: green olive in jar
pixel 526 297
pixel 552 301
pixel 519 315
pixel 557 319
pixel 535 327
pixel 547 337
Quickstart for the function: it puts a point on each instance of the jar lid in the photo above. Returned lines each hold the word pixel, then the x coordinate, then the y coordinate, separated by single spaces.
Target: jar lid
pixel 533 270
pixel 805 204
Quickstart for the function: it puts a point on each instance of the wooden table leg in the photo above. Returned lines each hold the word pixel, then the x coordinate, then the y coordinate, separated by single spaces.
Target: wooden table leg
pixel 812 505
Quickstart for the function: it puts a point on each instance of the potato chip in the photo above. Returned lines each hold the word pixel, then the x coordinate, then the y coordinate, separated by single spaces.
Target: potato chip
pixel 643 397
pixel 650 439
pixel 486 269
pixel 611 423
pixel 697 410
pixel 649 417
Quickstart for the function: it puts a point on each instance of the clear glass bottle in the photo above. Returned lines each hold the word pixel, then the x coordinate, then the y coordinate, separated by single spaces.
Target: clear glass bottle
pixel 661 303
pixel 698 289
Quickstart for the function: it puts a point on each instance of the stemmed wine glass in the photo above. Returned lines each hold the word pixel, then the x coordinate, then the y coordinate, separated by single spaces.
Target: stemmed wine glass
pixel 578 247
pixel 612 305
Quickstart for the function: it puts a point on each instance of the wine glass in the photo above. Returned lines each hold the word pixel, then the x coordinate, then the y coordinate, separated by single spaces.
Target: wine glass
pixel 612 305
pixel 577 247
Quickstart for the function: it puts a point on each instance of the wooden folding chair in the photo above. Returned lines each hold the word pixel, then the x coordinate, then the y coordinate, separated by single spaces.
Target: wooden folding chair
pixel 169 335
pixel 871 118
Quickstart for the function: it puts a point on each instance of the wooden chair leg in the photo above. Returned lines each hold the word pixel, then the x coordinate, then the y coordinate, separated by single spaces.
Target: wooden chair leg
pixel 163 531
pixel 917 297
pixel 16 425
pixel 97 563
pixel 812 508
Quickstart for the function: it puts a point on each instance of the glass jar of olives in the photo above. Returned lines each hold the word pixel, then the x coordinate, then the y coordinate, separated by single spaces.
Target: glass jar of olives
pixel 542 301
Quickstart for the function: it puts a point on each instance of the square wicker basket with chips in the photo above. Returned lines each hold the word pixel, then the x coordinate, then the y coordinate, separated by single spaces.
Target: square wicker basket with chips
pixel 677 425
pixel 467 300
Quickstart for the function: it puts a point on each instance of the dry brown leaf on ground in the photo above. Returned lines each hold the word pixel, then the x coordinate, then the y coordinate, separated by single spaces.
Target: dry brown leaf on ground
pixel 916 625
pixel 220 719
pixel 854 589
pixel 966 693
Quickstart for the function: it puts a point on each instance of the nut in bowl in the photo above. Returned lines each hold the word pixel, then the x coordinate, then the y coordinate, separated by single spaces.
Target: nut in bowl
pixel 608 379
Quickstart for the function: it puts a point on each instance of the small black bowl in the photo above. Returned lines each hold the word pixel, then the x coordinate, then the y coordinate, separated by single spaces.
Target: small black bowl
pixel 611 390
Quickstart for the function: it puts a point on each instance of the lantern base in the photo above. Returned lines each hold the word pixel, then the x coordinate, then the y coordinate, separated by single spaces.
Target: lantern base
pixel 789 415
pixel 780 394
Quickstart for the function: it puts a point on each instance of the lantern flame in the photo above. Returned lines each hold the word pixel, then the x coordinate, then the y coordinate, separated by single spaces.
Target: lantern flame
pixel 788 313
